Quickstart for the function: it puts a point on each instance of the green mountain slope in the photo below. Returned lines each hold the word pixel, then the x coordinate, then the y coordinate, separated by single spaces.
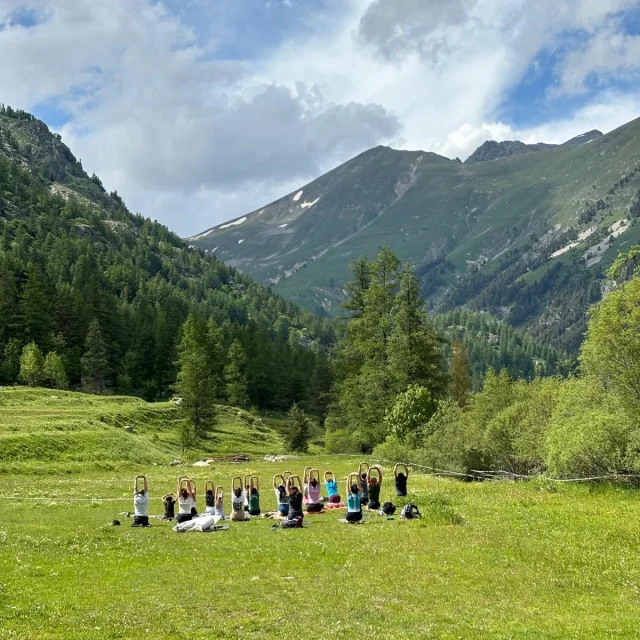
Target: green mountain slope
pixel 70 254
pixel 524 237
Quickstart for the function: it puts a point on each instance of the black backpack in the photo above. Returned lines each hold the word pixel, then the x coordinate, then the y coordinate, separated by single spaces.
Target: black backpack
pixel 409 512
pixel 388 508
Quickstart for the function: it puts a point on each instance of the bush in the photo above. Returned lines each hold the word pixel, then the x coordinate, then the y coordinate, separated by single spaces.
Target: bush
pixel 342 441
pixel 408 417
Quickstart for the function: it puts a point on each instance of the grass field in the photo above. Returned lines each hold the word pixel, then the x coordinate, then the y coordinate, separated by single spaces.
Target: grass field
pixel 492 560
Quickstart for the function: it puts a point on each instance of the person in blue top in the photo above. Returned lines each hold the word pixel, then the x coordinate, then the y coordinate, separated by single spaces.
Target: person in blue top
pixel 331 486
pixel 354 506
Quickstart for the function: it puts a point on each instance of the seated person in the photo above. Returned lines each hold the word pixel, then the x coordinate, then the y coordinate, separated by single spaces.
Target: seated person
pixel 169 502
pixel 140 503
pixel 295 503
pixel 210 502
pixel 375 485
pixel 313 495
pixel 331 486
pixel 401 479
pixel 354 507
pixel 238 514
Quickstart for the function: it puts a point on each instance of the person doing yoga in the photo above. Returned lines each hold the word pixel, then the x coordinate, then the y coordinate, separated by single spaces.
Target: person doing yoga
pixel 238 514
pixel 375 484
pixel 363 471
pixel 169 502
pixel 354 506
pixel 140 503
pixel 295 499
pixel 314 505
pixel 331 485
pixel 185 500
pixel 401 474
pixel 280 489
pixel 209 498
pixel 254 496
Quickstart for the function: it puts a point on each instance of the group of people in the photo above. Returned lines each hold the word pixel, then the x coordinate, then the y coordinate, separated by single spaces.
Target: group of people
pixel 362 488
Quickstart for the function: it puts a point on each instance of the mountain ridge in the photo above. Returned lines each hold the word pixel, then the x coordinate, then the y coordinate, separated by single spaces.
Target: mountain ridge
pixel 461 224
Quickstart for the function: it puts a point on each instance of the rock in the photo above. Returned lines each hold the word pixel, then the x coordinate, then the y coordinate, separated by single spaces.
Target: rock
pixel 129 429
pixel 176 400
pixel 201 463
pixel 270 458
pixel 175 463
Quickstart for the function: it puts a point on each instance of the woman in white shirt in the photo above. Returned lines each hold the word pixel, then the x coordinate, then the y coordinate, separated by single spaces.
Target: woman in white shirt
pixel 186 500
pixel 140 503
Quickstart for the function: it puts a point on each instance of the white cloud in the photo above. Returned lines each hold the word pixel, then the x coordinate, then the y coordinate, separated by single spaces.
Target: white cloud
pixel 195 140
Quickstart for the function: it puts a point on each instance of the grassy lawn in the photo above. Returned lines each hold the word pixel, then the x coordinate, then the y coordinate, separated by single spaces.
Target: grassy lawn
pixel 489 560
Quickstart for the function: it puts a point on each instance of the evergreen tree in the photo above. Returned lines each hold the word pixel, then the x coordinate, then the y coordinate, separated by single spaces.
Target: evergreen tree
pixel 320 387
pixel 10 365
pixel 35 315
pixel 459 378
pixel 298 430
pixel 196 383
pixel 53 372
pixel 95 361
pixel 415 352
pixel 31 365
pixel 235 377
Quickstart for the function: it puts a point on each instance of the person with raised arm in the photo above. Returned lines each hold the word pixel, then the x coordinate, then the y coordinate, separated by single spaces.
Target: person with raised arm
pixel 401 475
pixel 314 503
pixel 375 485
pixel 185 500
pixel 354 505
pixel 238 514
pixel 254 496
pixel 210 498
pixel 140 503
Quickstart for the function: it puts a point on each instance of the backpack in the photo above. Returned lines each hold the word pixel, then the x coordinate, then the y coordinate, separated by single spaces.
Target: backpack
pixel 409 512
pixel 388 508
pixel 291 524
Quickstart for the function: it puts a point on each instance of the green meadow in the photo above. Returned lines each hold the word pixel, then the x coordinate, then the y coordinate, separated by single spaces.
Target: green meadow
pixel 494 560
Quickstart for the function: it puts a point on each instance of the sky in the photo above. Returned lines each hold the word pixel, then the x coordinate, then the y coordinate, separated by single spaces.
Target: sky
pixel 198 111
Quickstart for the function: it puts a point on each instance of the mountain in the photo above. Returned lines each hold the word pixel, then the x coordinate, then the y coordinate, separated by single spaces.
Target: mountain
pixel 72 255
pixel 525 237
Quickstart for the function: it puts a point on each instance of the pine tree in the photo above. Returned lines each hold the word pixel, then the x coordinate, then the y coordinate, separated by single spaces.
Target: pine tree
pixel 10 365
pixel 53 372
pixel 196 384
pixel 459 378
pixel 320 387
pixel 35 315
pixel 415 350
pixel 95 361
pixel 31 365
pixel 298 430
pixel 235 377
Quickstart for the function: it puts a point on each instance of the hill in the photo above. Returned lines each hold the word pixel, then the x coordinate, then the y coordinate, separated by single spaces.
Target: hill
pixel 525 237
pixel 48 431
pixel 72 254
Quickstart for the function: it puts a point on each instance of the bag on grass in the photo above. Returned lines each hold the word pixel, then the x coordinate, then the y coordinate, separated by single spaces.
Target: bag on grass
pixel 409 512
pixel 388 508
pixel 291 524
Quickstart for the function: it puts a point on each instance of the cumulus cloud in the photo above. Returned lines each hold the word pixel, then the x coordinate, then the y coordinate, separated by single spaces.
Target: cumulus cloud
pixel 189 131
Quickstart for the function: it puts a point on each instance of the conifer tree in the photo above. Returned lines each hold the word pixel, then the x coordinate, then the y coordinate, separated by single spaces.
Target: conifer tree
pixel 298 430
pixel 95 361
pixel 196 384
pixel 35 315
pixel 10 365
pixel 53 371
pixel 459 378
pixel 31 365
pixel 235 377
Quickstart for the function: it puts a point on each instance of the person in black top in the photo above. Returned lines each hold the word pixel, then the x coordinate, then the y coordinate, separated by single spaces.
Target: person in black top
pixel 295 503
pixel 169 502
pixel 401 473
pixel 375 484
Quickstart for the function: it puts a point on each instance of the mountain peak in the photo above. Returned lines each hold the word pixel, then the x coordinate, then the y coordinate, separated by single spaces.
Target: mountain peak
pixel 492 150
pixel 583 138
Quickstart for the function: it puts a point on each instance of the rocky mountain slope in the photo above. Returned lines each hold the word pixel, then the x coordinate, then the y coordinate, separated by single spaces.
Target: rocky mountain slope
pixel 525 237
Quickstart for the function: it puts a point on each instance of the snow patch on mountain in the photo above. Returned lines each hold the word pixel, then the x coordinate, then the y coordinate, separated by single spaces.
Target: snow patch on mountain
pixel 235 223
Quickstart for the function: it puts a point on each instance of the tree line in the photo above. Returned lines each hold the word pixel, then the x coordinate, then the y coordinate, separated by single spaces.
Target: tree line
pixel 98 300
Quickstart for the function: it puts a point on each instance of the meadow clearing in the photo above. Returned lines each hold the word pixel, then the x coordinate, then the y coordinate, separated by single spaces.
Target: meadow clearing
pixel 495 560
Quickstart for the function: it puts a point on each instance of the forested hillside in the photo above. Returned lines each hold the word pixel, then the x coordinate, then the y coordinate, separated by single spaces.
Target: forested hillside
pixel 108 292
pixel 492 343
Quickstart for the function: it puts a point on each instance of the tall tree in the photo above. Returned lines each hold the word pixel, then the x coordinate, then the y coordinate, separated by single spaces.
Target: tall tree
pixel 459 378
pixel 31 365
pixel 53 371
pixel 298 430
pixel 196 383
pixel 35 315
pixel 95 361
pixel 235 376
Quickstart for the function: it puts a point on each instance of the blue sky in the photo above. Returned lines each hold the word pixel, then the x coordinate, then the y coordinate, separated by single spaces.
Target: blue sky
pixel 198 111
